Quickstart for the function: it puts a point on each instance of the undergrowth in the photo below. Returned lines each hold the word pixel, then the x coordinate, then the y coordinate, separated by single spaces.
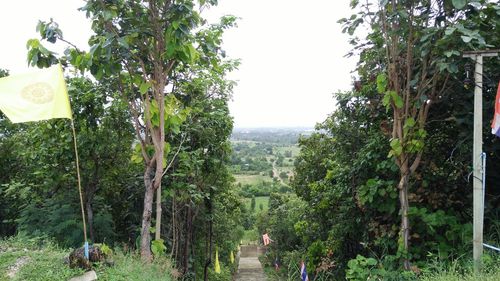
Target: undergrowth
pixel 45 261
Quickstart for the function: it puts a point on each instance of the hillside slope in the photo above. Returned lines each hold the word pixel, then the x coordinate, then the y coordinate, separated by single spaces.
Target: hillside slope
pixel 37 259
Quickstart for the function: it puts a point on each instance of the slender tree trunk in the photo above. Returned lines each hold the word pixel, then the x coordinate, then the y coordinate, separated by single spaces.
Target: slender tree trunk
pixel 90 218
pixel 158 214
pixel 146 216
pixel 187 239
pixel 405 223
pixel 90 191
pixel 173 225
pixel 209 246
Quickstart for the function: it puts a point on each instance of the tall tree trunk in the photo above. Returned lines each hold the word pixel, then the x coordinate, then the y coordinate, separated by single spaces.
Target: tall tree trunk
pixel 173 225
pixel 209 246
pixel 187 239
pixel 90 191
pixel 90 218
pixel 158 214
pixel 146 216
pixel 405 223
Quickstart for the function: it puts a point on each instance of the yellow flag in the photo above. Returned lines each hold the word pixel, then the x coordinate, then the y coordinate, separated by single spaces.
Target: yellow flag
pixel 39 95
pixel 231 257
pixel 217 264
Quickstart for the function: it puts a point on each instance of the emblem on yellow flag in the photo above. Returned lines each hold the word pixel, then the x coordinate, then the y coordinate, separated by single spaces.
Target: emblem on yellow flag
pixel 34 96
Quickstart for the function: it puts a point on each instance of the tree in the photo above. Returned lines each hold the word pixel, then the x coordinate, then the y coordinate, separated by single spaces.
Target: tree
pixel 46 201
pixel 252 204
pixel 104 135
pixel 137 44
pixel 412 47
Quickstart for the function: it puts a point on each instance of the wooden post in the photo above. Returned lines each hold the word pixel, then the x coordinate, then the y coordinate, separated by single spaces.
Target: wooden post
pixel 478 203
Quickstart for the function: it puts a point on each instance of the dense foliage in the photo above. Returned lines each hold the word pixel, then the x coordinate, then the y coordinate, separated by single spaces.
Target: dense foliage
pixel 349 173
pixel 181 138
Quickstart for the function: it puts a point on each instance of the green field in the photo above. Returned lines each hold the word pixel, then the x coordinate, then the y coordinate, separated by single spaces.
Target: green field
pixel 251 179
pixel 248 142
pixel 264 200
pixel 281 149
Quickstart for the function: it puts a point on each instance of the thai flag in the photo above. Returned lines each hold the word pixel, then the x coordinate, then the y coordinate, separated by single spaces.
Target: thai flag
pixel 495 125
pixel 303 272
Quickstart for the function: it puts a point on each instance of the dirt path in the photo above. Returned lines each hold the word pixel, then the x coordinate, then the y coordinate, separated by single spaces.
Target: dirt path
pixel 276 174
pixel 249 268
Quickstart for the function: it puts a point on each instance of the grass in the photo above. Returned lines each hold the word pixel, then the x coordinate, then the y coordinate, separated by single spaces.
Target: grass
pixel 281 149
pixel 250 236
pixel 264 200
pixel 45 262
pixel 455 276
pixel 251 179
pixel 459 270
pixel 248 142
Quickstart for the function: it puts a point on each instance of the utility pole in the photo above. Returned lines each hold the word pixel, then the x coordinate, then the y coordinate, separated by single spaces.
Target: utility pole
pixel 478 192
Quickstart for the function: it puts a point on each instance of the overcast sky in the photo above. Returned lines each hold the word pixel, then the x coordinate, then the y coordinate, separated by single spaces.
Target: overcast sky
pixel 292 53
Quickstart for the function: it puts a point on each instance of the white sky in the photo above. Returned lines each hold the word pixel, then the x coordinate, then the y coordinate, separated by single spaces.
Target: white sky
pixel 291 51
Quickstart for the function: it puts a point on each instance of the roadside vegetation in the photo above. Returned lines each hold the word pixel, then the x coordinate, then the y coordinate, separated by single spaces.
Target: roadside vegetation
pixel 23 258
pixel 382 187
pixel 379 190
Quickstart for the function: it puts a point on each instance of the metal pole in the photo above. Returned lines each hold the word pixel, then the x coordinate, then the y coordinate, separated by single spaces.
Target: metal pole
pixel 477 163
pixel 477 150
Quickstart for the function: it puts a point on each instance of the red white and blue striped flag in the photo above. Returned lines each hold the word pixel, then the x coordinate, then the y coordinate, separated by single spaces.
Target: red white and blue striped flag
pixel 495 125
pixel 303 272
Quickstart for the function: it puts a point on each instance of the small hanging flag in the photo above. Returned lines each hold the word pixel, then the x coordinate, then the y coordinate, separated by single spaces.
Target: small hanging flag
pixel 303 272
pixel 266 240
pixel 231 257
pixel 495 125
pixel 217 264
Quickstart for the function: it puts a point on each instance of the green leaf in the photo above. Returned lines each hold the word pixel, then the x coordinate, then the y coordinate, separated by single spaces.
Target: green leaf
pixel 158 247
pixel 398 101
pixel 144 87
pixel 466 39
pixel 450 30
pixel 386 101
pixel 381 82
pixel 459 4
pixel 410 122
pixel 397 149
pixel 372 182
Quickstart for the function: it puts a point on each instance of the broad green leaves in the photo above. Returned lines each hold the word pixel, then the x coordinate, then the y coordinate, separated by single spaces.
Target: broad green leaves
pixel 38 55
pixel 378 193
pixel 381 82
pixel 362 268
pixel 390 96
pixel 471 37
pixel 145 86
pixel 158 247
pixel 396 148
pixel 413 139
pixel 174 113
